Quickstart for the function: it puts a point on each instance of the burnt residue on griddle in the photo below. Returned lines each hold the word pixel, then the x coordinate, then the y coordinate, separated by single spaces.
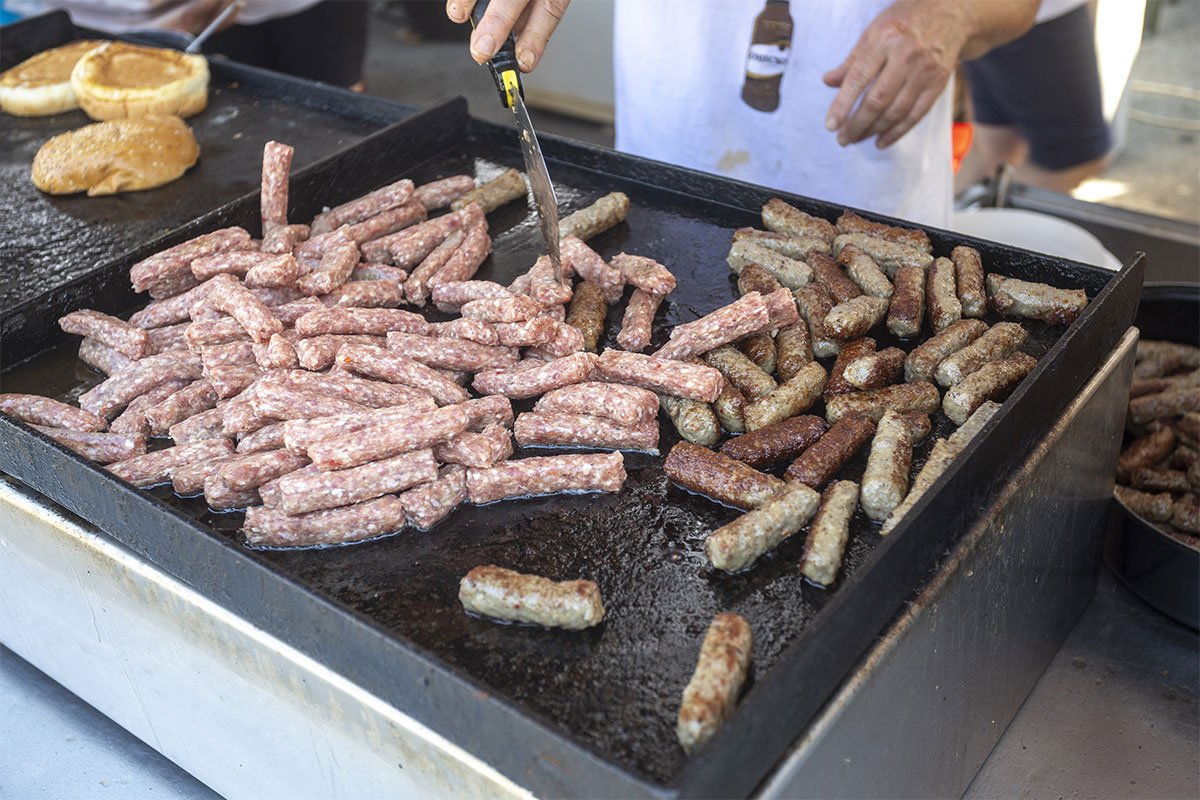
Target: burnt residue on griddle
pixel 615 687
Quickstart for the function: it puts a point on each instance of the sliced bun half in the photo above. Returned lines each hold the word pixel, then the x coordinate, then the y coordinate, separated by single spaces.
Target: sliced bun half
pixel 41 85
pixel 119 80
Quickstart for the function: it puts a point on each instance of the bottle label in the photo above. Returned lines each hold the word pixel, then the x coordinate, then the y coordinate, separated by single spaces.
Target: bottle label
pixel 766 60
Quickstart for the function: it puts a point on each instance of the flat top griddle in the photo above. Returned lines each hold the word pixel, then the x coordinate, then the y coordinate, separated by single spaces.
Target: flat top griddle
pixel 616 688
pixel 47 239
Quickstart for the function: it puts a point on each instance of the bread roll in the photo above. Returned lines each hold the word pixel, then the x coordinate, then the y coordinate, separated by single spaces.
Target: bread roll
pixel 41 85
pixel 119 80
pixel 116 156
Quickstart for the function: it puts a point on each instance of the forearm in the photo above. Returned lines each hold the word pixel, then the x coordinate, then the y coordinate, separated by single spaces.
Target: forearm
pixel 991 23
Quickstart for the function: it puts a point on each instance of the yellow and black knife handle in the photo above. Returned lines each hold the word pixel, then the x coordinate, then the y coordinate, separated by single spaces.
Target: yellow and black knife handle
pixel 503 65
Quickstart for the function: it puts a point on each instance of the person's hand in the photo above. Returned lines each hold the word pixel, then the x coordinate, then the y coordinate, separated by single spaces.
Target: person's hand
pixel 532 20
pixel 899 67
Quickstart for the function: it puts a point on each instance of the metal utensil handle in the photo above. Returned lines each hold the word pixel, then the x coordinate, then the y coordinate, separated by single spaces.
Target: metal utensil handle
pixel 503 65
pixel 230 10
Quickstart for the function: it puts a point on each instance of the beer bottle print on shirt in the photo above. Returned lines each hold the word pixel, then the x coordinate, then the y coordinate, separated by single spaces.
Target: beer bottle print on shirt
pixel 768 56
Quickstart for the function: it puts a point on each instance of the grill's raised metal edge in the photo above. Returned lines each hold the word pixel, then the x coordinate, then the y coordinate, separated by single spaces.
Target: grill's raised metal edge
pixel 737 758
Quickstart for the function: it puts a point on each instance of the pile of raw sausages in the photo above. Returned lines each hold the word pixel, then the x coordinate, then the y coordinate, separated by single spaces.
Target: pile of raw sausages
pixel 1158 473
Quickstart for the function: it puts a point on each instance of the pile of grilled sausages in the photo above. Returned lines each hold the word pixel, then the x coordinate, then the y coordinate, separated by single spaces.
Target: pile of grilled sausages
pixel 1158 473
pixel 293 385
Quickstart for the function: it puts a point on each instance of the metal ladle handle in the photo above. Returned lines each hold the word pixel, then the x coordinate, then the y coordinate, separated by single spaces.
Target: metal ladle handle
pixel 229 11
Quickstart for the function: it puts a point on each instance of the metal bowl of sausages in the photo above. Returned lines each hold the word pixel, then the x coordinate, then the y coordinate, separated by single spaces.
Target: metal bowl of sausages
pixel 1157 556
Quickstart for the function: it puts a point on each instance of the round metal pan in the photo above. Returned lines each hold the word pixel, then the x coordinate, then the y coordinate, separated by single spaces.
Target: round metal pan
pixel 1158 567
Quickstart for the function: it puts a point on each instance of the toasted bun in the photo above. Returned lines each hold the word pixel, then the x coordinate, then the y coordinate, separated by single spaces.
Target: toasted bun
pixel 119 80
pixel 40 86
pixel 122 155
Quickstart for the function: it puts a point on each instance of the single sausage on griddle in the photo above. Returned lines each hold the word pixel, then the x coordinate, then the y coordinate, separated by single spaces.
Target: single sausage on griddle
pixel 814 304
pixel 430 503
pixel 186 402
pixel 530 333
pixel 233 262
pixel 561 429
pixel 205 425
pixel 118 334
pixel 1188 355
pixel 504 594
pixel 249 471
pixel 790 398
pixel 1148 479
pixel 1016 298
pixel 138 378
pixel 890 256
pixel 1171 403
pixel 227 354
pixel 417 288
pixel 250 312
pixel 273 398
pixel 100 356
pixel 591 267
pixel 849 222
pixel 469 328
pixel 510 308
pixel 696 422
pixel 781 217
pixel 282 270
pixel 273 199
pixel 441 193
pixel 755 278
pixel 528 477
pixel 149 469
pixel 644 273
pixel 451 297
pixel 920 424
pixel 885 480
pixel 1154 507
pixel 520 382
pixel 383 441
pixel 466 260
pixel 751 381
pixel 596 218
pixel 300 434
pixel 995 380
pixel 618 402
pixel 269 527
pixel 38 410
pixel 790 273
pixel 384 198
pixel 829 533
pixel 315 491
pixel 851 351
pixel 365 321
pixel 284 239
pixel 637 321
pixel 797 247
pixel 968 276
pixel 793 349
pixel 476 448
pixel 923 361
pixel 1186 514
pixel 876 370
pixel 166 339
pixel 133 418
pixel 712 692
pixel 817 465
pixel 166 267
pixel 777 443
pixel 263 439
pixel 730 408
pixel 997 342
pixel 377 362
pixel 719 477
pixel 501 190
pixel 855 317
pixel 664 376
pixel 863 270
pixel 103 448
pixel 545 287
pixel 907 308
pixel 829 275
pixel 228 380
pixel 453 354
pixel 739 544
pixel 902 397
pixel 587 314
pixel 760 349
pixel 941 295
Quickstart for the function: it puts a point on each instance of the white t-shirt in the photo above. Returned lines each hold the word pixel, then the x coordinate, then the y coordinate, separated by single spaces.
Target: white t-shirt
pixel 679 70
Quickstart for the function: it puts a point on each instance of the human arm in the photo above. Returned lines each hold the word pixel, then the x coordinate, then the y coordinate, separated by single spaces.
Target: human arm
pixel 905 57
pixel 532 20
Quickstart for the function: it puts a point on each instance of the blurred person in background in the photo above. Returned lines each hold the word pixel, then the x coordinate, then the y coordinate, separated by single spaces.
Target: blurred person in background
pixel 322 41
pixel 1036 104
pixel 789 96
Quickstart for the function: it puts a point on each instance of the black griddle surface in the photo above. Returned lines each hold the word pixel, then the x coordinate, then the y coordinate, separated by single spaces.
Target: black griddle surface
pixel 615 687
pixel 48 240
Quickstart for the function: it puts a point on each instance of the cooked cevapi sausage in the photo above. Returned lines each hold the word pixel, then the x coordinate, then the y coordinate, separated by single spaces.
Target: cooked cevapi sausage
pixel 712 692
pixel 505 594
pixel 739 544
